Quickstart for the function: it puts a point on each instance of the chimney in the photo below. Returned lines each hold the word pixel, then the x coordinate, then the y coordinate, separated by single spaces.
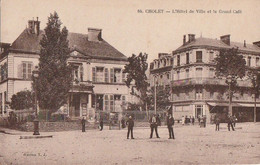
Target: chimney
pixel 245 43
pixel 191 37
pixel 94 34
pixel 34 26
pixel 184 39
pixel 257 43
pixel 225 39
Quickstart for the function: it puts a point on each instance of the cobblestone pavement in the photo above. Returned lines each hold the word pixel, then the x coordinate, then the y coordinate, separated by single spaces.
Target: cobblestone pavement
pixel 193 145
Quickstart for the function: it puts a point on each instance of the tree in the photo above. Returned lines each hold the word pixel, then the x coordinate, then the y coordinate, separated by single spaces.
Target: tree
pixel 136 77
pixel 22 100
pixel 55 80
pixel 254 76
pixel 162 98
pixel 231 67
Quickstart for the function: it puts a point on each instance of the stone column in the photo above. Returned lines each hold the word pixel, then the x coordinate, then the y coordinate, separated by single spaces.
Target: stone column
pixel 89 100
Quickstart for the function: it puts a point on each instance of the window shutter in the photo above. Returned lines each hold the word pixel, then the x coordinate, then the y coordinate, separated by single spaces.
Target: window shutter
pixel 123 77
pixel 81 73
pixel 94 74
pixel 112 75
pixel 111 103
pixel 106 75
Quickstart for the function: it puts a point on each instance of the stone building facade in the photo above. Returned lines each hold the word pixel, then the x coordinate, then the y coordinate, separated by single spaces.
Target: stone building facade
pixel 98 78
pixel 195 91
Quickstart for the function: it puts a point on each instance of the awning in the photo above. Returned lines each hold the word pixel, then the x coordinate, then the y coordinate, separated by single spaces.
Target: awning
pixel 249 105
pixel 223 104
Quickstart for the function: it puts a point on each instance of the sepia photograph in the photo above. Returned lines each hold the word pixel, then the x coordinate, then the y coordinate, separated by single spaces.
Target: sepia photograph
pixel 152 82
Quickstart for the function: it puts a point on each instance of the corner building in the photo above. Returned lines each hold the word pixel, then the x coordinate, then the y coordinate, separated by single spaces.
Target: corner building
pixel 98 79
pixel 195 89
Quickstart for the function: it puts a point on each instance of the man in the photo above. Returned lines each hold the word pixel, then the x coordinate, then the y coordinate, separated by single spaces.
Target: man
pixel 130 123
pixel 217 122
pixel 170 123
pixel 83 122
pixel 230 123
pixel 154 122
pixel 101 123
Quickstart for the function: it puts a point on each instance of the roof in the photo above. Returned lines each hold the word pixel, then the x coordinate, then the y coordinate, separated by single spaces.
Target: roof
pixel 219 44
pixel 27 42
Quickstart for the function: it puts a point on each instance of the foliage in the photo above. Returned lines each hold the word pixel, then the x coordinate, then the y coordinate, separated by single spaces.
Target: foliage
pixel 229 64
pixel 22 100
pixel 54 80
pixel 135 69
pixel 254 76
pixel 162 98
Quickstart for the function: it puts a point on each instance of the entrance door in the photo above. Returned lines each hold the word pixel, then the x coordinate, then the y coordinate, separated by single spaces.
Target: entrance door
pixel 198 110
pixel 99 102
pixel 75 106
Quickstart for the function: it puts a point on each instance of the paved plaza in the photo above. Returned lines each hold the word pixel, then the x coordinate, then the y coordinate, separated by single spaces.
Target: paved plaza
pixel 193 145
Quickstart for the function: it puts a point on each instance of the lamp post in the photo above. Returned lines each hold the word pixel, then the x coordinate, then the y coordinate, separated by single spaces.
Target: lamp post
pixel 229 80
pixel 35 74
pixel 155 100
pixel 255 93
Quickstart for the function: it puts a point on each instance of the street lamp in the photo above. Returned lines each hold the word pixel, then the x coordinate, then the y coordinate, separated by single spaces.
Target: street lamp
pixel 229 80
pixel 155 100
pixel 255 93
pixel 35 74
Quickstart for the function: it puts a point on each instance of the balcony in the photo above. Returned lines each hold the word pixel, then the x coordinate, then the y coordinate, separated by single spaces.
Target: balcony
pixel 206 81
pixel 82 86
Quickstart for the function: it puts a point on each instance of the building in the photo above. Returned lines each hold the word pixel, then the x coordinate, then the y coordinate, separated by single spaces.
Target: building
pixel 195 89
pixel 98 83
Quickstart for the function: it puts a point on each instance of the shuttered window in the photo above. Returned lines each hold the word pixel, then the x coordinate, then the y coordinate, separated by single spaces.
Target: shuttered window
pixel 94 74
pixel 26 70
pixel 81 72
pixel 123 77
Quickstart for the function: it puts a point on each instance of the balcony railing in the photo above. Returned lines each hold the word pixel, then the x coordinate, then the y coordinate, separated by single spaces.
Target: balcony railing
pixel 81 86
pixel 207 81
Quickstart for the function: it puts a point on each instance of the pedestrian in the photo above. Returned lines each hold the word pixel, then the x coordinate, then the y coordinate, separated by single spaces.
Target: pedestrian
pixel 101 123
pixel 83 123
pixel 230 123
pixel 130 123
pixel 234 120
pixel 123 122
pixel 154 124
pixel 217 122
pixel 170 123
pixel 183 120
pixel 192 120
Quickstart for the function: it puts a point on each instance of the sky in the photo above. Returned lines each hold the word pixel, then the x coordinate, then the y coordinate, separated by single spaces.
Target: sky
pixel 132 32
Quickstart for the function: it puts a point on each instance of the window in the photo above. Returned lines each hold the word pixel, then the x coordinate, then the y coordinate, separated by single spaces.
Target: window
pixel 27 70
pixel 77 73
pixel 171 61
pixel 187 73
pixel 178 60
pixel 123 102
pixel 3 71
pixel 249 61
pixel 106 75
pixel 198 72
pixel 198 56
pixel 117 75
pixel 111 75
pixel 99 74
pixel 257 61
pixel 123 77
pixel 187 58
pixel 211 94
pixel 178 75
pixel 198 95
pixel 211 72
pixel 211 56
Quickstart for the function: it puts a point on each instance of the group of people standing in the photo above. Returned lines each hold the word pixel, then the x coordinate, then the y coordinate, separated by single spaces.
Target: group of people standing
pixel 154 123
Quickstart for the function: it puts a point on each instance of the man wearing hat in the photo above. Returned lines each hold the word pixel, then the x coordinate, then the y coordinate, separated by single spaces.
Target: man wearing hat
pixel 130 123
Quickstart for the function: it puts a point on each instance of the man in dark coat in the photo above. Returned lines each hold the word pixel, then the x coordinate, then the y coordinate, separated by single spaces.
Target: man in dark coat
pixel 170 123
pixel 217 122
pixel 154 122
pixel 130 123
pixel 101 123
pixel 83 123
pixel 230 123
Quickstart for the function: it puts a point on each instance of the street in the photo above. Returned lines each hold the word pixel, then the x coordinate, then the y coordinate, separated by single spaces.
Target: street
pixel 193 145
